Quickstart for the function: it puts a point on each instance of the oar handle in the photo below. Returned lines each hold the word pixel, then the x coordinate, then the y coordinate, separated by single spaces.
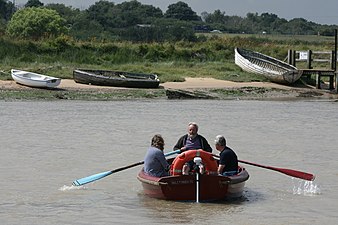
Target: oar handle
pixel 127 167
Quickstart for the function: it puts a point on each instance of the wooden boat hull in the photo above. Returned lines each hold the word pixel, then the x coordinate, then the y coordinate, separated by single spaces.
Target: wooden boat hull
pixel 34 79
pixel 115 78
pixel 273 69
pixel 183 187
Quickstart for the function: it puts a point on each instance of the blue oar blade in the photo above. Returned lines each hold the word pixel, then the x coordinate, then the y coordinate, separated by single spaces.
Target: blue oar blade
pixel 98 176
pixel 91 178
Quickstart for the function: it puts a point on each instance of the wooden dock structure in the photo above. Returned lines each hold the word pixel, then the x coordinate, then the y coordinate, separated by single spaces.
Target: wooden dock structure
pixel 323 56
pixel 319 74
pixel 308 57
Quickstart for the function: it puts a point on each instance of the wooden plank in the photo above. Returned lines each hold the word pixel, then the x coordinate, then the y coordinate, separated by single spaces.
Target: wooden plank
pixel 336 83
pixel 318 81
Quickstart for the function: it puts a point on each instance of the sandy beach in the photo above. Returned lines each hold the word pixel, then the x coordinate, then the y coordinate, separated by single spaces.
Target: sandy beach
pixel 272 90
pixel 190 83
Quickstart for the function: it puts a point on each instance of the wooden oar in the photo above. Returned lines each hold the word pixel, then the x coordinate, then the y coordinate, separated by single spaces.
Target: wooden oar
pixel 98 176
pixel 289 172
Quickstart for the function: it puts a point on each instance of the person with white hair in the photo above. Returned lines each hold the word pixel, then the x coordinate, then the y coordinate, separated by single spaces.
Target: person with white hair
pixel 192 140
pixel 228 162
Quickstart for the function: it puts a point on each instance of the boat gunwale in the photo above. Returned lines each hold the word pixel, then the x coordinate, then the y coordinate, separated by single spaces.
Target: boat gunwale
pixel 31 80
pixel 37 74
pixel 240 177
pixel 147 77
pixel 116 78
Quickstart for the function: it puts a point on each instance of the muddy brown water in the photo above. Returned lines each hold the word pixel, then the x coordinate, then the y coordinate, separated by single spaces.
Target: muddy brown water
pixel 47 145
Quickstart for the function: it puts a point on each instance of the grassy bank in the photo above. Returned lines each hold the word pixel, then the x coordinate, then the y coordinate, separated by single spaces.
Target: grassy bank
pixel 171 61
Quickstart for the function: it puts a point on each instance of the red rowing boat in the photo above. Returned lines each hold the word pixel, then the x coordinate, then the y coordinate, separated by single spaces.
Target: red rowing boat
pixel 183 187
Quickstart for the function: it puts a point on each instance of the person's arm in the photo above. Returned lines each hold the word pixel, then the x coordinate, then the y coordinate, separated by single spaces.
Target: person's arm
pixel 180 145
pixel 222 162
pixel 220 169
pixel 206 146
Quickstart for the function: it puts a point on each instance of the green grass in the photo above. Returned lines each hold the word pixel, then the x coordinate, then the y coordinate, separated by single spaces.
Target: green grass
pixel 171 61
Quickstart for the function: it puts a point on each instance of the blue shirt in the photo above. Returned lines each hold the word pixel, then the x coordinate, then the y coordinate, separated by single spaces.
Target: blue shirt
pixel 155 163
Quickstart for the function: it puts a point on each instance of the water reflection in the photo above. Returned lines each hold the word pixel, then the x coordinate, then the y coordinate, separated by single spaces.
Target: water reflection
pixel 194 213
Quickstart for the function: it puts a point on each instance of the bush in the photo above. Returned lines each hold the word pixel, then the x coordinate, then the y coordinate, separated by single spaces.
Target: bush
pixel 36 23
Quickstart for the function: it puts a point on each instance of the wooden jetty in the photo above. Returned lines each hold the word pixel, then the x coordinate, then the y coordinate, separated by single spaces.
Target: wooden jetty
pixel 321 57
pixel 309 57
pixel 319 73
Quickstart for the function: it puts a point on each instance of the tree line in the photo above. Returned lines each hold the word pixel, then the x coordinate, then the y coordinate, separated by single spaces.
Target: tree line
pixel 133 21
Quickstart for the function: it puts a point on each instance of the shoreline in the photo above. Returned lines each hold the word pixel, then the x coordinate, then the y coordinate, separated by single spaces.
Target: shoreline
pixel 189 83
pixel 191 88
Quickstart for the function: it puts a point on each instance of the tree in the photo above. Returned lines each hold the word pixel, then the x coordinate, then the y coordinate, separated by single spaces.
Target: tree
pixel 66 12
pixel 216 17
pixel 181 11
pixel 301 26
pixel 33 3
pixel 36 23
pixel 6 10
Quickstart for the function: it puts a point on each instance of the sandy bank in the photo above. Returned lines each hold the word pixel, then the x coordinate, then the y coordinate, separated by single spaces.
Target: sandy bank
pixel 247 90
pixel 190 83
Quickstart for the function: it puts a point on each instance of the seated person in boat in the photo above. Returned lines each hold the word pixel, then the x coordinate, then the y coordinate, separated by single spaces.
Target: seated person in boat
pixel 189 141
pixel 155 163
pixel 228 162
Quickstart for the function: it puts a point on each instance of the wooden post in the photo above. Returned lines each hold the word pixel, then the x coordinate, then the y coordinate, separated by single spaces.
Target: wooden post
pixel 335 59
pixel 309 59
pixel 336 81
pixel 333 64
pixel 331 79
pixel 290 56
pixel 318 77
pixel 335 51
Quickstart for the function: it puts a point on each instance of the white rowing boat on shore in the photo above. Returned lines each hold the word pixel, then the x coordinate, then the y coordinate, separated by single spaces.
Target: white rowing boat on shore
pixel 275 70
pixel 34 79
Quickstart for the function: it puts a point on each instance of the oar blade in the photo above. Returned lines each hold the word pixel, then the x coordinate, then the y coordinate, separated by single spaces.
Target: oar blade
pixel 91 178
pixel 98 176
pixel 298 174
pixel 289 172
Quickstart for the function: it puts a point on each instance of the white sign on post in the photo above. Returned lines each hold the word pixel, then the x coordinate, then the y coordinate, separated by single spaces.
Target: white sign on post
pixel 303 55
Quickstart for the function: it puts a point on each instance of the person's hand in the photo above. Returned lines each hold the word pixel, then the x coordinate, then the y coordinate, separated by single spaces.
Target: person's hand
pixel 183 149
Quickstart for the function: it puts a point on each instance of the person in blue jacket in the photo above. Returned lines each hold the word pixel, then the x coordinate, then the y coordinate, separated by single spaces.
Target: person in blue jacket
pixel 155 163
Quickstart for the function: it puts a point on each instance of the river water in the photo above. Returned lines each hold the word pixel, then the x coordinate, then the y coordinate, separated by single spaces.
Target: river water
pixel 47 145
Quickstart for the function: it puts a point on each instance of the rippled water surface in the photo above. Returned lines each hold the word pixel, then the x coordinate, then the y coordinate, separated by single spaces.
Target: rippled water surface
pixel 47 145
